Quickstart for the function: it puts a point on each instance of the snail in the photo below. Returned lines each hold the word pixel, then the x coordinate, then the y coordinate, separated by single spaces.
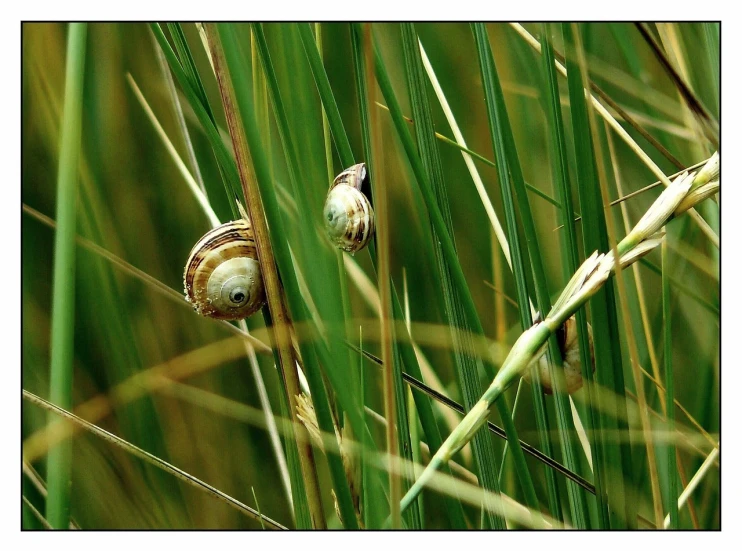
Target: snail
pixel 222 276
pixel 349 218
pixel 571 360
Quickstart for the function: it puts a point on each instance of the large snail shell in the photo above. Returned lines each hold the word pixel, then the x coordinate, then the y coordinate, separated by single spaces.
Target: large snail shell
pixel 222 276
pixel 571 359
pixel 349 218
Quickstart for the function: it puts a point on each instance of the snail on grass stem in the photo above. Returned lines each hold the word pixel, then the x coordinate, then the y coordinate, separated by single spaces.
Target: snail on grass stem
pixel 348 215
pixel 222 275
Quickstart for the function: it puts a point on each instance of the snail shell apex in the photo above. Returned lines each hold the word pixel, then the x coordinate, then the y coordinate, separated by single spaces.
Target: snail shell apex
pixel 222 277
pixel 571 359
pixel 348 215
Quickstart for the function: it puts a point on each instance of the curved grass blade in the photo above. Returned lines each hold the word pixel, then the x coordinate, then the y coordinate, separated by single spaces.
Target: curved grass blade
pixel 328 99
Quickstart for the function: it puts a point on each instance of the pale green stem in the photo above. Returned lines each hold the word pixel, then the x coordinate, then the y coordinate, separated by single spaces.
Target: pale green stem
pixel 59 464
pixel 585 283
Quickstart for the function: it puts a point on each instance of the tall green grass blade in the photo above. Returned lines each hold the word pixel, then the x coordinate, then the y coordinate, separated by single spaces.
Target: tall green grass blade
pixel 325 124
pixel 602 305
pixel 346 157
pixel 672 466
pixel 63 302
pixel 466 362
pixel 203 113
pixel 323 85
pixel 571 253
pixel 507 165
pixel 327 139
pixel 116 340
pixel 472 385
pixel 189 66
pixel 236 93
pixel 411 366
pixel 212 187
pixel 507 158
pixel 319 394
pixel 359 71
pixel 711 32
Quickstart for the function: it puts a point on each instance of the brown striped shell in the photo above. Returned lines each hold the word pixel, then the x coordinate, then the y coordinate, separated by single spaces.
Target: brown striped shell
pixel 222 275
pixel 571 359
pixel 349 218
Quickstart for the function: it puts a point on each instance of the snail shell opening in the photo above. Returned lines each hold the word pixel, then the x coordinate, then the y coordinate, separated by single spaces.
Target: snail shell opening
pixel 222 276
pixel 355 176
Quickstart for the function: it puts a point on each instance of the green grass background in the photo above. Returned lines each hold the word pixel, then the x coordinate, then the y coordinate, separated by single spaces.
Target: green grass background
pixel 133 203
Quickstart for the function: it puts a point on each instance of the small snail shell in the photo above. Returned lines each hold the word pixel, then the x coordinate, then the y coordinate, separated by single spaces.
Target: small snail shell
pixel 349 218
pixel 222 275
pixel 571 360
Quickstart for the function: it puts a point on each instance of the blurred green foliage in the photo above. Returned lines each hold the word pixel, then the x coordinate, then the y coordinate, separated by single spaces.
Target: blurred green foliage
pixel 134 204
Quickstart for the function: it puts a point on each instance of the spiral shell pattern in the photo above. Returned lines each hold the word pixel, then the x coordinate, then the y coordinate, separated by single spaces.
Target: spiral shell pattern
pixel 222 276
pixel 348 215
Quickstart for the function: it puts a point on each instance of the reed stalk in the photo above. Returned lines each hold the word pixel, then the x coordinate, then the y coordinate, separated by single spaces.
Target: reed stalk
pixel 59 464
pixel 273 289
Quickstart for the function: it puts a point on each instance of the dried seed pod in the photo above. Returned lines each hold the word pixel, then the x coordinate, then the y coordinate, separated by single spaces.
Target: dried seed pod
pixel 571 360
pixel 349 218
pixel 222 275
